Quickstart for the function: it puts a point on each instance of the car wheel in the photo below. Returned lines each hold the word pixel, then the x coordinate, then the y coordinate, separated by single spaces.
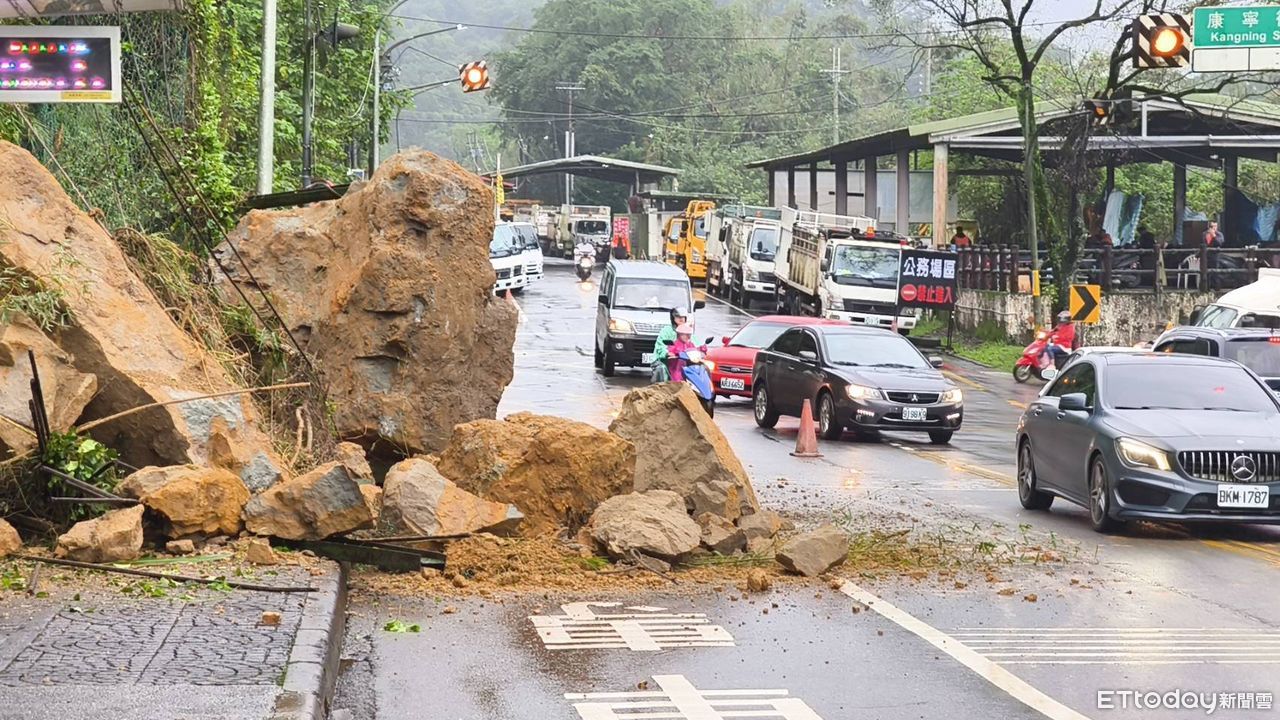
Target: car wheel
pixel 710 406
pixel 1100 499
pixel 599 359
pixel 766 416
pixel 828 426
pixel 608 363
pixel 517 291
pixel 940 437
pixel 1022 373
pixel 1028 495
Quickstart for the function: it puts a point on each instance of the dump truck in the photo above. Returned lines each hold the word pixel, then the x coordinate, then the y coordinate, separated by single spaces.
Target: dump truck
pixel 752 249
pixel 839 267
pixel 686 239
pixel 593 223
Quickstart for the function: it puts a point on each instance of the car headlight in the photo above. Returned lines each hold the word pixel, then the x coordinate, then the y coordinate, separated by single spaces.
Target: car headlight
pixel 953 396
pixel 862 392
pixel 709 365
pixel 620 326
pixel 1139 454
pixel 752 274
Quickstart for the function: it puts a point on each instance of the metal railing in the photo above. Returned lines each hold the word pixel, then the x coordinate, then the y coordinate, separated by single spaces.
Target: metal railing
pixel 1006 268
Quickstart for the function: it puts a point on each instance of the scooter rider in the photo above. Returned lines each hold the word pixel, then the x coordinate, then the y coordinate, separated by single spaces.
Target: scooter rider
pixel 584 248
pixel 683 343
pixel 661 353
pixel 1062 339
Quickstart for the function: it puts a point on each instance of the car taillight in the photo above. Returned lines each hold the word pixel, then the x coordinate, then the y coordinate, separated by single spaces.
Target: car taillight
pixel 1274 339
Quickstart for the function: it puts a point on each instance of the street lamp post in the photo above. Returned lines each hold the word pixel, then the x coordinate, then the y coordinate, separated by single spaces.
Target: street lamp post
pixel 381 56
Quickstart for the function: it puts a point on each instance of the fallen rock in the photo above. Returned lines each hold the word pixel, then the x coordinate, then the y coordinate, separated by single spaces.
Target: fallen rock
pixel 390 288
pixel 372 495
pixel 418 500
pixel 555 470
pixel 270 618
pixel 10 542
pixel 326 501
pixel 815 552
pixel 761 525
pixel 652 523
pixel 353 459
pixel 113 537
pixel 255 467
pixel 680 448
pixel 758 581
pixel 66 390
pixel 180 547
pixel 721 535
pixel 259 552
pixel 193 500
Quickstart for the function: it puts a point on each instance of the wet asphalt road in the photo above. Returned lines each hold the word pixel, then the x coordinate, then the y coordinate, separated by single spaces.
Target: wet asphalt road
pixel 1155 609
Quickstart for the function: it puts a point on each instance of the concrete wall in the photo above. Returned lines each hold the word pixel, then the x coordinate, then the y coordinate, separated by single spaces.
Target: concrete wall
pixel 1127 317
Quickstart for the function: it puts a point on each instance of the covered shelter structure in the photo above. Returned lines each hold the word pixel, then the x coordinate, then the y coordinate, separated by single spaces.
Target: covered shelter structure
pixel 639 176
pixel 1208 131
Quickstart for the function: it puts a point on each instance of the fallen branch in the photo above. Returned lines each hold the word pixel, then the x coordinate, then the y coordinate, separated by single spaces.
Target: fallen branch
pixel 18 425
pixel 246 391
pixel 162 576
pixel 412 538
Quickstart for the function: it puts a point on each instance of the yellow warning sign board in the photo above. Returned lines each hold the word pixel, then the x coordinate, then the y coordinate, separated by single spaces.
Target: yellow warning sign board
pixel 1085 304
pixel 499 190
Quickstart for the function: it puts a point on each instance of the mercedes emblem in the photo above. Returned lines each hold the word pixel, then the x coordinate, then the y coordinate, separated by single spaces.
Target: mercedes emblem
pixel 1243 468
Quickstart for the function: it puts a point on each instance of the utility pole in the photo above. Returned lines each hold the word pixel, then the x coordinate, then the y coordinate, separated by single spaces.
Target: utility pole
pixel 308 92
pixel 570 139
pixel 375 140
pixel 836 71
pixel 267 101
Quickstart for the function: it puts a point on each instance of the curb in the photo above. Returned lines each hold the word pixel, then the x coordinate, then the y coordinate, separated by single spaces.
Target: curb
pixel 312 670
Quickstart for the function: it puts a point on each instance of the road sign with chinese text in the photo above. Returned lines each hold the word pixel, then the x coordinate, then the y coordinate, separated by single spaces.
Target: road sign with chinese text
pixel 1236 39
pixel 927 279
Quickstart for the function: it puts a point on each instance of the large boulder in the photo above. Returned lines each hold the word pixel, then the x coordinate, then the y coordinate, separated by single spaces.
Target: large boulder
pixel 326 501
pixel 113 537
pixel 417 499
pixel 390 288
pixel 192 499
pixel 66 390
pixel 555 470
pixel 10 542
pixel 815 552
pixel 651 523
pixel 118 332
pixel 680 448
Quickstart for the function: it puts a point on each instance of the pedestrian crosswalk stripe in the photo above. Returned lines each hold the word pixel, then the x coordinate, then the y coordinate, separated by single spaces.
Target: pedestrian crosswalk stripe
pixel 645 629
pixel 1111 646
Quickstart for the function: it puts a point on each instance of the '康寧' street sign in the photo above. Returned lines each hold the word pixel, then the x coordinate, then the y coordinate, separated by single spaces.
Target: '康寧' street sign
pixel 1085 304
pixel 1235 39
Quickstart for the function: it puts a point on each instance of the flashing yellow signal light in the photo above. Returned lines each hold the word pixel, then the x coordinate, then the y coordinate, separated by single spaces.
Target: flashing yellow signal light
pixel 1161 40
pixel 474 76
pixel 1167 42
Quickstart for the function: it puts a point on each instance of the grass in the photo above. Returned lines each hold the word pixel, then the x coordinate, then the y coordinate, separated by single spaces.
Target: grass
pixel 1001 356
pixel 986 345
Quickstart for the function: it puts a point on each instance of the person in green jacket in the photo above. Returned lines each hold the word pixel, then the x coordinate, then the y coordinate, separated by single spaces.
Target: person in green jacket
pixel 661 373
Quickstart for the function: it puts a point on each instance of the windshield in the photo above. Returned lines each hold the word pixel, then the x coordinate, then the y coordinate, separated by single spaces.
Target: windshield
pixel 869 266
pixel 1161 386
pixel 874 350
pixel 1261 355
pixel 529 236
pixel 505 242
pixel 764 243
pixel 642 294
pixel 757 335
pixel 700 227
pixel 1217 316
pixel 593 227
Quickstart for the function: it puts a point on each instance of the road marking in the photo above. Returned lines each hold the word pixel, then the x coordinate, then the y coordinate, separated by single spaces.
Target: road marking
pixel 1018 404
pixel 941 458
pixel 708 296
pixel 1050 646
pixel 1250 550
pixel 962 379
pixel 988 670
pixel 678 699
pixel 646 629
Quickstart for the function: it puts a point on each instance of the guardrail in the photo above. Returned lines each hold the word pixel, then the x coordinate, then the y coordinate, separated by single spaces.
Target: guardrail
pixel 1006 268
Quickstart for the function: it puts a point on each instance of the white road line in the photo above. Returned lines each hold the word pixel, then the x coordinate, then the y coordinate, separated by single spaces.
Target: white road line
pixel 709 296
pixel 988 670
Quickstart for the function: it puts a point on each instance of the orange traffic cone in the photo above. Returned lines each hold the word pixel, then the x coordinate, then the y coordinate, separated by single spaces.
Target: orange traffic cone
pixel 807 438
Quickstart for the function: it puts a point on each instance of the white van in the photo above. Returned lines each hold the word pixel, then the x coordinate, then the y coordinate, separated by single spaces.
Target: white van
pixel 528 233
pixel 506 254
pixel 636 300
pixel 1254 305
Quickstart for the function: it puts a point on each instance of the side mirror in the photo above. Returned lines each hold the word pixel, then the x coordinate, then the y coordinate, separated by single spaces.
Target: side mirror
pixel 1073 402
pixel 709 340
pixel 1195 315
pixel 725 340
pixel 935 361
pixel 604 299
pixel 825 266
pixel 809 355
pixel 698 305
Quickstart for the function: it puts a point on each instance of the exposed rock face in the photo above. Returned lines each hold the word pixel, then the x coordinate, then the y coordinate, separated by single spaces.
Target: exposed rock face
pixel 815 552
pixel 390 287
pixel 555 470
pixel 66 390
pixel 326 501
pixel 418 500
pixel 113 537
pixel 120 333
pixel 10 542
pixel 653 523
pixel 680 448
pixel 194 500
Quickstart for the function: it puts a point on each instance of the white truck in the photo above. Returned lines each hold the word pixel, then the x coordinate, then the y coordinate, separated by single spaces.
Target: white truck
pixel 1255 305
pixel 594 223
pixel 837 267
pixel 753 247
pixel 507 256
pixel 727 226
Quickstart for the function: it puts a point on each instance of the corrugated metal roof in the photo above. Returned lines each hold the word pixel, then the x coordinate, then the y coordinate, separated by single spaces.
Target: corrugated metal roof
pixel 593 166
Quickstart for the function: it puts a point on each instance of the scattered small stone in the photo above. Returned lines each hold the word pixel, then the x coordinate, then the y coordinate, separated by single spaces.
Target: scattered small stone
pixel 258 551
pixel 217 541
pixel 642 685
pixel 459 582
pixel 880 633
pixel 308 553
pixel 1075 581
pixel 270 618
pixel 960 585
pixel 1032 597
pixel 1007 592
pixel 758 581
pixel 449 610
pixel 180 547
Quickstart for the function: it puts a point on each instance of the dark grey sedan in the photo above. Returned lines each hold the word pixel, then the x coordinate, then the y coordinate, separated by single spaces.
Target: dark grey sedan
pixel 1153 436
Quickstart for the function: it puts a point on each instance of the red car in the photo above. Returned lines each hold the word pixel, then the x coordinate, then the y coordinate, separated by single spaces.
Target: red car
pixel 731 375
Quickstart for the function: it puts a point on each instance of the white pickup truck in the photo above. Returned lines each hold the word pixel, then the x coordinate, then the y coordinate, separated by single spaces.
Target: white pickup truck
pixel 838 267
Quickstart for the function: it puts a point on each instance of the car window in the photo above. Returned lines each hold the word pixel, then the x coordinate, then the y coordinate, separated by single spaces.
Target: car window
pixel 757 335
pixel 1255 320
pixel 808 343
pixel 1159 385
pixel 880 349
pixel 606 287
pixel 788 344
pixel 1190 346
pixel 1080 379
pixel 1261 355
pixel 1217 316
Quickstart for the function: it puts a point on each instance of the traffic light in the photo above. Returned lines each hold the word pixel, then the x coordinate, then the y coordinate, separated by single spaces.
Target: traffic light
pixel 1161 41
pixel 474 76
